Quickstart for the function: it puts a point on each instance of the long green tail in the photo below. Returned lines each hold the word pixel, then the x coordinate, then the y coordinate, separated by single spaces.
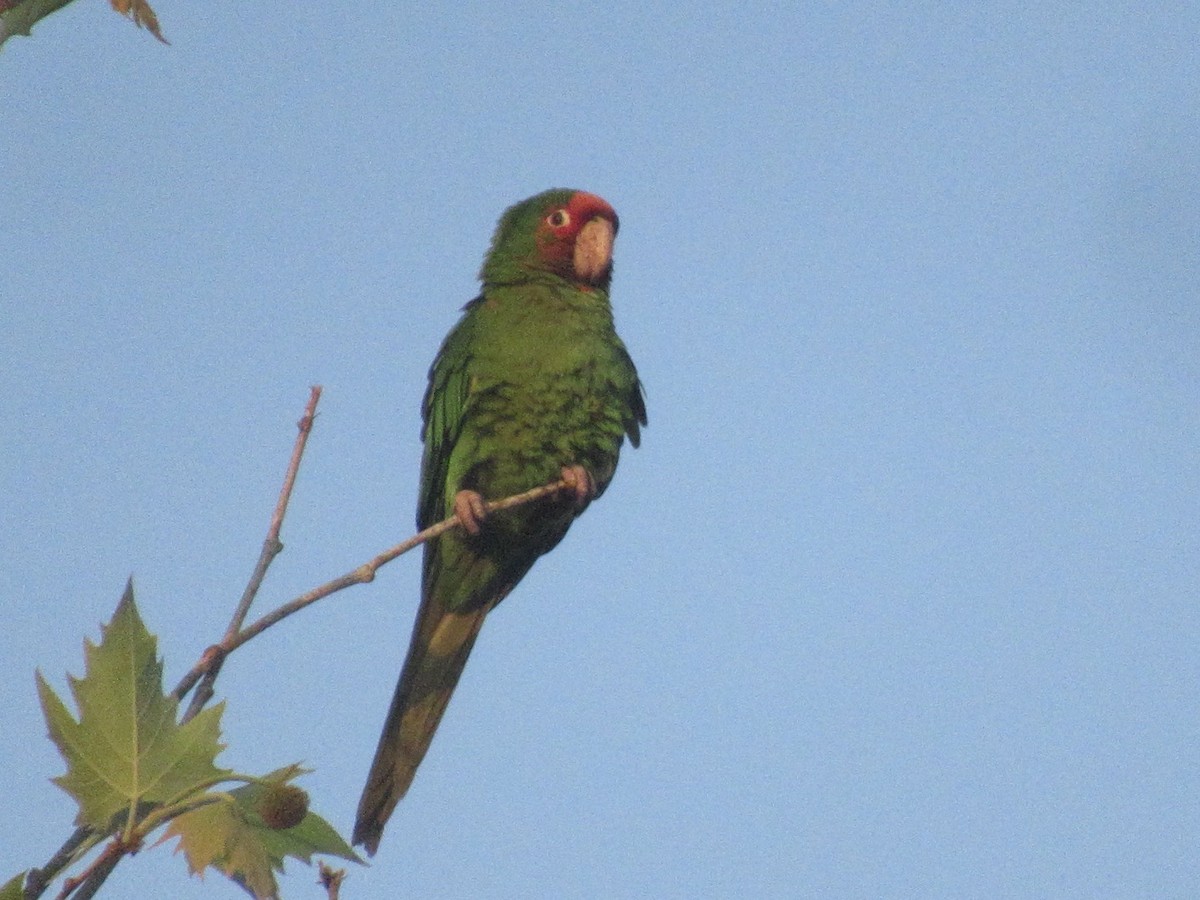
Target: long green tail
pixel 440 646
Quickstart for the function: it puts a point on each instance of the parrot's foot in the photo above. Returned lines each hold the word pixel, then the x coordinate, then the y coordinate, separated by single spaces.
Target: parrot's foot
pixel 579 482
pixel 470 510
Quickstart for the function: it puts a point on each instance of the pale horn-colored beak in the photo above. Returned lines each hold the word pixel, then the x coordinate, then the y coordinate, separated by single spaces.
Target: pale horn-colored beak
pixel 593 250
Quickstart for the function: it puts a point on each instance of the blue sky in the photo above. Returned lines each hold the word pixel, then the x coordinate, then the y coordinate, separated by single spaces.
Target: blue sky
pixel 898 597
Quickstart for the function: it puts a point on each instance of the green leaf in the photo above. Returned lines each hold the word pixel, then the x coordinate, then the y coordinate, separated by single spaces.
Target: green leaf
pixel 127 751
pixel 14 889
pixel 230 836
pixel 18 18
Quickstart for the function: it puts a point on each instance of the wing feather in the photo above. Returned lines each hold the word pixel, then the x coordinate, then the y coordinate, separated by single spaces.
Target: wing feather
pixel 443 411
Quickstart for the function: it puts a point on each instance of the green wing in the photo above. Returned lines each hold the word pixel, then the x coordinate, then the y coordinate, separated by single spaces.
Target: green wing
pixel 635 400
pixel 443 411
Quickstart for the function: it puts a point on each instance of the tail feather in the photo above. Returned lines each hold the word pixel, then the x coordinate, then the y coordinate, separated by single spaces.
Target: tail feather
pixel 462 580
pixel 439 651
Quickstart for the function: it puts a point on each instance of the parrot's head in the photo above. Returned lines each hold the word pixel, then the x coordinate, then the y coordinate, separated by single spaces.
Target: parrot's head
pixel 563 232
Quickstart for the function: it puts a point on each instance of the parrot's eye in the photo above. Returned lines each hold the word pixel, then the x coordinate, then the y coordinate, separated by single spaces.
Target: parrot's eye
pixel 558 218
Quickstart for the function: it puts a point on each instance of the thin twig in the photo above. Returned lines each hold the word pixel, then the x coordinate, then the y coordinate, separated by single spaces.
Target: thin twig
pixel 85 885
pixel 39 879
pixel 366 572
pixel 331 879
pixel 361 575
pixel 271 546
pixel 270 549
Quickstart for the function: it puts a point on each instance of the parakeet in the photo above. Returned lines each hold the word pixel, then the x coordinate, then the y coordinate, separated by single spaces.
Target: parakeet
pixel 532 385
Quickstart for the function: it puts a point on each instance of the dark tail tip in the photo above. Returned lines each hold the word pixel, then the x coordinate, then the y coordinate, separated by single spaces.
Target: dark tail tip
pixel 367 835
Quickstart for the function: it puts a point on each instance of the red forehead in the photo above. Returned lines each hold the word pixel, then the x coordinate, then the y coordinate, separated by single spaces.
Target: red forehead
pixel 582 206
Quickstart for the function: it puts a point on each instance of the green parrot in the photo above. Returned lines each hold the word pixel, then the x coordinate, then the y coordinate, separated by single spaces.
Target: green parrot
pixel 531 386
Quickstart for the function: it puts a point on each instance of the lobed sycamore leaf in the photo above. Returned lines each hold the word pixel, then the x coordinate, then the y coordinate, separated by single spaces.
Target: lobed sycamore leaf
pixel 229 835
pixel 127 751
pixel 18 16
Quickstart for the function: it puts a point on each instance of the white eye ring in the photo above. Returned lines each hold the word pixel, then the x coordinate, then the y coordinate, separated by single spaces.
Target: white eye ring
pixel 559 218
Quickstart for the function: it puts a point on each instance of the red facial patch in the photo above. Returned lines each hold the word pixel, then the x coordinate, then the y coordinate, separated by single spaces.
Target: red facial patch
pixel 583 206
pixel 560 226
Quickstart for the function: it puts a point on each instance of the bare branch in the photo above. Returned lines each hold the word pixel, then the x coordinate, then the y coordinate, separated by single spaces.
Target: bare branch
pixel 361 575
pixel 39 879
pixel 270 549
pixel 366 572
pixel 271 546
pixel 85 885
pixel 331 879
